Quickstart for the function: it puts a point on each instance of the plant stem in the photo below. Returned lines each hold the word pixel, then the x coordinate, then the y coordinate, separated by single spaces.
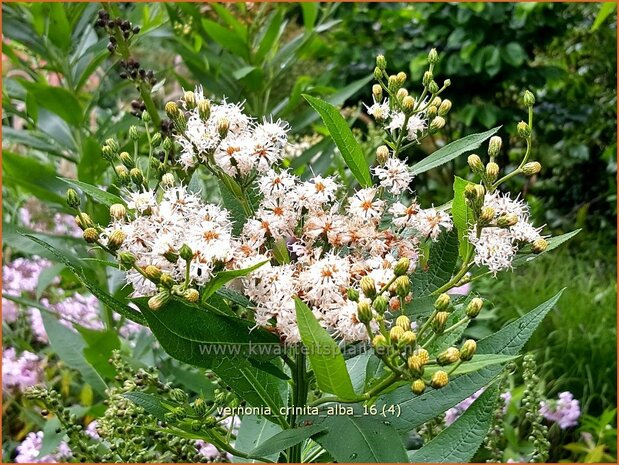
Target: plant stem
pixel 299 399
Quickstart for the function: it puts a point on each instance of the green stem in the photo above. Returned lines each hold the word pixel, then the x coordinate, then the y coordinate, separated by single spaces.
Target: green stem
pixel 222 444
pixel 299 399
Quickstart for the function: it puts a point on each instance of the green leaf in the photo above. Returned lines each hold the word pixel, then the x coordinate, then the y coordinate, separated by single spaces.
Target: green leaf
pixel 69 346
pixel 525 255
pixel 224 277
pixel 310 14
pixel 605 11
pixel 514 54
pixel 356 367
pixel 452 150
pixel 416 410
pixel 199 337
pixel 97 194
pixel 103 296
pixel 253 432
pixel 343 138
pixel 100 345
pixel 268 42
pixel 324 354
pixel 286 439
pixel 462 216
pixel 149 403
pixel 57 100
pixel 361 439
pixel 225 38
pixel 478 362
pixel 441 264
pixel 460 440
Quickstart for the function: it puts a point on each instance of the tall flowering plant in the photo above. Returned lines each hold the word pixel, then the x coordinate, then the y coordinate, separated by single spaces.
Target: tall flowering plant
pixel 326 308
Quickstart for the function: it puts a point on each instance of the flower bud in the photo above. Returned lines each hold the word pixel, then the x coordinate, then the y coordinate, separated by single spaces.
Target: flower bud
pixel 368 286
pixel 418 386
pixel 136 176
pixel 443 302
pixel 113 145
pixel 433 56
pixel 404 322
pixel 377 92
pixel 73 200
pixel 395 334
pixel 408 338
pixel 431 112
pixel 364 312
pixel 382 154
pixel 378 73
pixel 223 125
pixel 380 304
pixel 433 87
pixel 121 170
pixel 167 144
pixel 83 221
pixel 415 365
pixel 474 307
pixel 494 146
pixel 506 221
pixel 172 110
pixel 171 256
pixel 539 245
pixel 440 379
pixel 167 180
pixel 439 322
pixel 126 260
pixel 475 163
pixel 528 99
pixel 408 104
pixel 468 350
pixel 153 273
pixel 126 159
pixel 401 77
pixel 107 153
pixel 486 216
pixel 91 235
pixel 444 108
pixel 436 102
pixel 178 395
pixel 167 281
pixel 480 192
pixel 381 63
pixel 185 252
pixel 352 294
pixel 190 99
pixel 191 295
pixel 402 92
pixel 200 407
pixel 524 130
pixel 379 341
pixel 118 211
pixel 392 82
pixel 531 168
pixel 134 134
pixel 156 139
pixel 159 300
pixel 427 78
pixel 423 355
pixel 492 171
pixel 204 109
pixel 402 266
pixel 116 239
pixel 446 83
pixel 437 124
pixel 402 285
pixel 448 356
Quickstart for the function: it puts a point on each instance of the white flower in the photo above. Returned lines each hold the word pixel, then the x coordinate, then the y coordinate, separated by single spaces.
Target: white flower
pixel 378 110
pixel 276 183
pixel 275 133
pixel 404 216
pixel 317 191
pixel 326 280
pixel 141 201
pixel 416 125
pixel 394 176
pixel 364 206
pixel 494 248
pixel 430 221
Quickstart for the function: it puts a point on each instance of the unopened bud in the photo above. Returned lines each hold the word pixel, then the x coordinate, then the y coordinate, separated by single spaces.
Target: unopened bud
pixel 364 312
pixel 408 338
pixel 107 153
pixel 448 356
pixel 431 112
pixel 379 341
pixel 468 350
pixel 446 83
pixel 167 180
pixel 134 133
pixel 402 92
pixel 415 365
pixel 402 285
pixel 436 102
pixel 474 307
pixel 439 322
pixel 492 171
pixel 433 87
pixel 223 125
pixel 539 245
pixel 178 395
pixel 159 300
pixel 380 304
pixel 395 334
pixel 408 104
pixel 418 386
pixel 136 176
pixel 126 260
pixel 167 281
pixel 404 322
pixel 113 145
pixel 91 235
pixel 377 92
pixel 352 294
pixel 153 273
pixel 392 82
pixel 423 355
pixel 167 144
pixel 494 146
pixel 440 379
pixel 506 221
pixel 528 99
pixel 146 116
pixel 204 109
pixel 486 216
pixel 191 295
pixel 121 170
pixel 382 154
pixel 427 78
pixel 171 256
pixel 83 221
pixel 172 110
pixel 185 252
pixel 531 168
pixel 126 159
pixel 156 139
pixel 444 107
pixel 433 56
pixel 73 200
pixel 116 239
pixel 524 130
pixel 368 286
pixel 381 63
pixel 200 407
pixel 437 124
pixel 443 302
pixel 401 76
pixel 190 99
pixel 378 73
pixel 402 266
pixel 475 163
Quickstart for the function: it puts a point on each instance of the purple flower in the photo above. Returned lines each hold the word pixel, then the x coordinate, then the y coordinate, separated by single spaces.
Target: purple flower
pixel 91 430
pixel 20 372
pixel 209 451
pixel 565 411
pixel 453 413
pixel 28 450
pixel 507 398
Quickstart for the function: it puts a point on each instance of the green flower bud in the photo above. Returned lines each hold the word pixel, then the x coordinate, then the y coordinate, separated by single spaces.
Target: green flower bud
pixel 402 266
pixel 382 154
pixel 444 108
pixel 448 356
pixel 121 170
pixel 531 168
pixel 126 260
pixel 539 245
pixel 379 341
pixel 380 304
pixel 433 57
pixel 381 63
pixel 113 145
pixel 475 163
pixel 440 319
pixel 415 365
pixel 401 77
pixel 167 281
pixel 378 73
pixel 156 139
pixel 468 350
pixel 392 82
pixel 440 379
pixel 352 294
pixel 486 216
pixel 159 300
pixel 223 125
pixel 116 239
pixel 474 307
pixel 91 235
pixel 418 386
pixel 199 406
pixel 506 221
pixel 377 92
pixel 368 286
pixel 83 221
pixel 528 99
pixel 402 92
pixel 136 176
pixel 492 171
pixel 134 134
pixel 437 124
pixel 423 355
pixel 404 322
pixel 443 302
pixel 179 395
pixel 395 334
pixel 171 256
pixel 427 78
pixel 446 83
pixel 191 295
pixel 190 99
pixel 126 159
pixel 146 116
pixel 408 338
pixel 433 87
pixel 167 144
pixel 524 130
pixel 204 109
pixel 185 252
pixel 153 273
pixel 402 285
pixel 431 112
pixel 107 153
pixel 172 110
pixel 73 200
pixel 408 104
pixel 364 312
pixel 118 211
pixel 494 146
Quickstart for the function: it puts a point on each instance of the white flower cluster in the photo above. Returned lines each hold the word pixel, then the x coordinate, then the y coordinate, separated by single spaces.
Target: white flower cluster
pixel 496 247
pixel 394 119
pixel 246 146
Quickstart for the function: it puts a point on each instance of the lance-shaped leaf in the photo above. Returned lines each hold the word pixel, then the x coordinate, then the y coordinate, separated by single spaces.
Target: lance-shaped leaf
pixel 462 216
pixel 324 354
pixel 442 262
pixel 224 277
pixel 253 432
pixel 343 138
pixel 97 194
pixel 286 439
